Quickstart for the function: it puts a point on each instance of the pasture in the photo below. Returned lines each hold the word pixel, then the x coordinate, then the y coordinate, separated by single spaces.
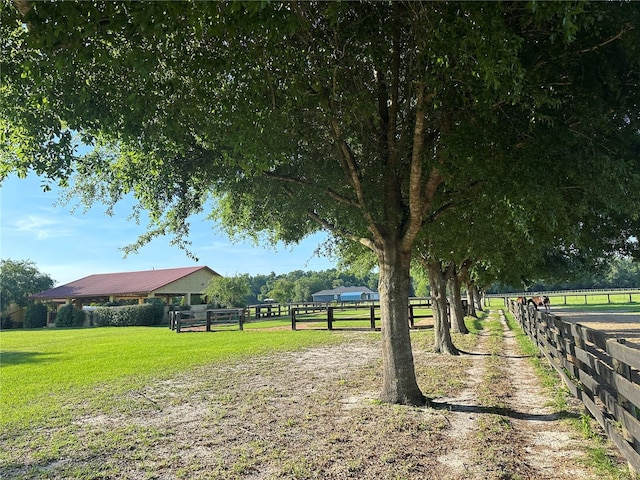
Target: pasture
pixel 587 300
pixel 48 375
pixel 271 403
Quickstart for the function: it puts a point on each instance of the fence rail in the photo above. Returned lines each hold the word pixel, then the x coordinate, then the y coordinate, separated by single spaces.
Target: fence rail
pixel 586 293
pixel 600 370
pixel 337 313
pixel 179 320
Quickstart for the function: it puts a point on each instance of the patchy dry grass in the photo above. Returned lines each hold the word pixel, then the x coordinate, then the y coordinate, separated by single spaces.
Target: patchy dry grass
pixel 306 414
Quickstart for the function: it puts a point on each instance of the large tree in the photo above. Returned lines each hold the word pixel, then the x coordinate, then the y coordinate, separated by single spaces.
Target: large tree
pixel 18 280
pixel 366 119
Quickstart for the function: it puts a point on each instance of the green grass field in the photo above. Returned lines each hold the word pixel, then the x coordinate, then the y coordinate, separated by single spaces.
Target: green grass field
pixel 46 374
pixel 601 301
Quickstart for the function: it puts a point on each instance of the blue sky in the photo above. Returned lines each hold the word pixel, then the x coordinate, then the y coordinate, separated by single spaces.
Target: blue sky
pixel 69 245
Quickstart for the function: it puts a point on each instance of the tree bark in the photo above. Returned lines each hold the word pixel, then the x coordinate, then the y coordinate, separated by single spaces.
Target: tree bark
pixel 399 383
pixel 477 298
pixel 438 284
pixel 470 300
pixel 455 304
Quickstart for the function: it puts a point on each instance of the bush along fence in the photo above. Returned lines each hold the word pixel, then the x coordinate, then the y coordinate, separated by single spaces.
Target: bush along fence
pixel 600 370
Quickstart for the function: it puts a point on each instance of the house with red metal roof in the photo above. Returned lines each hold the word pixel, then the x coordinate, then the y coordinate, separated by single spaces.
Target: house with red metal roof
pixel 109 287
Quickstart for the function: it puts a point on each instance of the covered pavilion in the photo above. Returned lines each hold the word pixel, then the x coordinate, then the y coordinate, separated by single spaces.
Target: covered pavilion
pixel 110 287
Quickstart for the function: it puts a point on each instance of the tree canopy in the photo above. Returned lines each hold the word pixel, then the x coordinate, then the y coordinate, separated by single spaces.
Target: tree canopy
pixel 18 280
pixel 368 119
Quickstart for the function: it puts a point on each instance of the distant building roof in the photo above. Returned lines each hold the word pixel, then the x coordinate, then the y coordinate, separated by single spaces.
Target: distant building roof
pixel 127 283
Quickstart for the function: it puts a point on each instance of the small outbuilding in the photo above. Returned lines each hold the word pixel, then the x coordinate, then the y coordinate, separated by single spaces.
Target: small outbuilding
pixel 109 287
pixel 346 294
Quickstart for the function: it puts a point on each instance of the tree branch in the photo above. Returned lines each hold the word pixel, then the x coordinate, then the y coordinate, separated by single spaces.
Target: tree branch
pixel 348 162
pixel 606 42
pixel 334 229
pixel 392 112
pixel 331 193
pixel 23 6
pixel 416 209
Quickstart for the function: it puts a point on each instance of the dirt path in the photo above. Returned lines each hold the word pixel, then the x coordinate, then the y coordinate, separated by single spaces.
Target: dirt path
pixel 522 437
pixel 313 414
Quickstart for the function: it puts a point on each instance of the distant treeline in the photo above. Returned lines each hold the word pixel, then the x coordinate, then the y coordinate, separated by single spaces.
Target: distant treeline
pixel 298 286
pixel 619 273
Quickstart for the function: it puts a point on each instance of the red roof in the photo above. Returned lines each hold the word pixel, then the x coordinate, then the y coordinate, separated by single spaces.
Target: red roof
pixel 107 284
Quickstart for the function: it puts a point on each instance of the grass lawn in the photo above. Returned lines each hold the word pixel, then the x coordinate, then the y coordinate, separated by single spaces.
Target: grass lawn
pixel 614 301
pixel 49 375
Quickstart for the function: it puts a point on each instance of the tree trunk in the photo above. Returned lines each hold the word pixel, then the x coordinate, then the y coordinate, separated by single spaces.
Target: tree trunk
pixel 477 298
pixel 399 383
pixel 470 300
pixel 438 284
pixel 455 304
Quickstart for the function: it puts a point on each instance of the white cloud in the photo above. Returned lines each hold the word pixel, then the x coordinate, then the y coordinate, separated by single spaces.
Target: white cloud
pixel 43 227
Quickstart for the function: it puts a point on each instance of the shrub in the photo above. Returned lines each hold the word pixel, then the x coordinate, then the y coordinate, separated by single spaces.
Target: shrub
pixel 125 316
pixel 159 305
pixel 79 317
pixel 6 322
pixel 35 316
pixel 64 318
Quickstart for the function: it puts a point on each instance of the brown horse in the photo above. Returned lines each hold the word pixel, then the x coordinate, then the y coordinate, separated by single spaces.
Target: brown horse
pixel 539 302
pixel 522 300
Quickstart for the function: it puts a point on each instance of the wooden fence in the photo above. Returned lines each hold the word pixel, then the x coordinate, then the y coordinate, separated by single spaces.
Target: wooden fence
pixel 349 313
pixel 599 369
pixel 179 320
pixel 555 295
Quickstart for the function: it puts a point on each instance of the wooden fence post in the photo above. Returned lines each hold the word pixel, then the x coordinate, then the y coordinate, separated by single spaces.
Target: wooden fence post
pixel 624 370
pixel 330 318
pixel 293 318
pixel 372 316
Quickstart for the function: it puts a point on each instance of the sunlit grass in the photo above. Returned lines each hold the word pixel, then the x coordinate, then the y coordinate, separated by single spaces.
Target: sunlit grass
pixel 44 372
pixel 604 301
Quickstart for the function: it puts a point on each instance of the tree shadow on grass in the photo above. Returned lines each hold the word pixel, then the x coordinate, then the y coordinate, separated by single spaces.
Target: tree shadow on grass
pixel 504 412
pixel 17 358
pixel 487 354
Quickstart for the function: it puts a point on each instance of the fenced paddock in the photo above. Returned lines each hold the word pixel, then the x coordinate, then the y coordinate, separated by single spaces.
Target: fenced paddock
pixel 600 370
pixel 353 316
pixel 571 297
pixel 212 319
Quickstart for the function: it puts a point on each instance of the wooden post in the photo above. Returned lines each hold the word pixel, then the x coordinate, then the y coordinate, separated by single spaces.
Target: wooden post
pixel 624 370
pixel 411 319
pixel 209 313
pixel 330 318
pixel 373 317
pixel 293 318
pixel 241 320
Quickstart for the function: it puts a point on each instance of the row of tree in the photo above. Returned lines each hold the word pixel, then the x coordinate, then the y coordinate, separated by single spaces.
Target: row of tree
pixel 298 286
pixel 21 278
pixel 484 141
